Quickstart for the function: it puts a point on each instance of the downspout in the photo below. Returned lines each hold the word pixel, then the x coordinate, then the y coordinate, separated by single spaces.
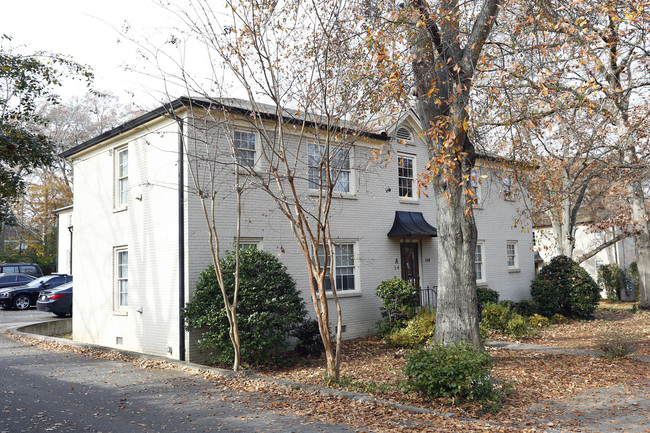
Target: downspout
pixel 181 242
pixel 70 228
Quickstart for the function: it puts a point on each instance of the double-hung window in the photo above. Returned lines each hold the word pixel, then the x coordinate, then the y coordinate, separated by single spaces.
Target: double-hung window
pixel 511 255
pixel 344 267
pixel 507 183
pixel 339 160
pixel 121 178
pixel 122 277
pixel 475 183
pixel 479 261
pixel 405 176
pixel 244 143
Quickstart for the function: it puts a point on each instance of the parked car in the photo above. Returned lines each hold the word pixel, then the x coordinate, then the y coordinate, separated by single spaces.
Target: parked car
pixel 21 268
pixel 57 300
pixel 22 297
pixel 13 280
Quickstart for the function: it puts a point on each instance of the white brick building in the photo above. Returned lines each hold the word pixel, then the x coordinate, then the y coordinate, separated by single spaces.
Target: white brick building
pixel 140 240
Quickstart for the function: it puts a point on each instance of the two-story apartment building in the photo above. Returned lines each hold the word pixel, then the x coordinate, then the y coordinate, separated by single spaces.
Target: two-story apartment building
pixel 140 239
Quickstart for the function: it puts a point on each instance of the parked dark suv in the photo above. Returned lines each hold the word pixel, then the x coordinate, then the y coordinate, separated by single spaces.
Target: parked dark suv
pixel 21 268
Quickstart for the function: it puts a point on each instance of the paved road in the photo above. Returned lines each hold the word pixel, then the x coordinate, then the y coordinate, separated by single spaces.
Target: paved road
pixel 62 392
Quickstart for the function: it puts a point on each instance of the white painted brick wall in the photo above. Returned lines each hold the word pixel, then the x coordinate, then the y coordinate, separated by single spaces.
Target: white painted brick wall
pixel 149 229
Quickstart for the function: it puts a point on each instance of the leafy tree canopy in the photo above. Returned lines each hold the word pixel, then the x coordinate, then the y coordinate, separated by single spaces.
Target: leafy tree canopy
pixel 26 81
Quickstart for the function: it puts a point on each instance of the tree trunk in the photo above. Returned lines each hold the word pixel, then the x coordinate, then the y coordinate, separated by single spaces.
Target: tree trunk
pixel 457 318
pixel 639 217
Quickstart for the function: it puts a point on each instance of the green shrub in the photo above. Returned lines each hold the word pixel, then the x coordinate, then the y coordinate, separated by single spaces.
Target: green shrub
pixel 563 287
pixel 558 319
pixel 496 316
pixel 518 326
pixel 400 301
pixel 485 295
pixel 269 308
pixel 616 344
pixel 612 279
pixel 526 308
pixel 417 332
pixel 538 321
pixel 453 370
pixel 309 342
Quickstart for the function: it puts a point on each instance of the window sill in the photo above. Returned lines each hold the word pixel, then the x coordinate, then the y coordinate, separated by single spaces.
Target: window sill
pixel 514 270
pixel 482 283
pixel 120 209
pixel 344 294
pixel 336 195
pixel 120 313
pixel 409 201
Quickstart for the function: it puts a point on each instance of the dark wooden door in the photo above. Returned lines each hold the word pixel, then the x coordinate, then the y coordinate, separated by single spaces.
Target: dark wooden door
pixel 410 263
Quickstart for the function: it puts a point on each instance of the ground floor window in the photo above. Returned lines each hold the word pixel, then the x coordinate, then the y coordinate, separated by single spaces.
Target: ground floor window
pixel 479 261
pixel 345 266
pixel 122 277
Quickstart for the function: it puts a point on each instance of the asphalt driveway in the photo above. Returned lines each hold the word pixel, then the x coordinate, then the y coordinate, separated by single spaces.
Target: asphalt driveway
pixel 62 392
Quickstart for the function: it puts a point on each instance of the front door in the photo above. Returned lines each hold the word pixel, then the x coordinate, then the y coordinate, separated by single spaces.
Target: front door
pixel 410 263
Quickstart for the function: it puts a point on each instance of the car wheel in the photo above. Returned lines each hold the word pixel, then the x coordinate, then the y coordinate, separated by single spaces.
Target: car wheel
pixel 21 302
pixel 61 314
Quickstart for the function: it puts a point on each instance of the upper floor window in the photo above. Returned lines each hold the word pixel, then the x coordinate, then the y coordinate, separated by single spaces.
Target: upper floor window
pixel 244 143
pixel 122 178
pixel 507 187
pixel 339 165
pixel 405 176
pixel 475 183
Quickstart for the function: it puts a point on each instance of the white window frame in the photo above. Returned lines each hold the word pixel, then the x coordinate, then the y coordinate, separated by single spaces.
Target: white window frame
pixel 512 255
pixel 476 184
pixel 121 174
pixel 313 165
pixel 508 184
pixel 337 266
pixel 479 260
pixel 121 277
pixel 240 151
pixel 400 158
pixel 245 242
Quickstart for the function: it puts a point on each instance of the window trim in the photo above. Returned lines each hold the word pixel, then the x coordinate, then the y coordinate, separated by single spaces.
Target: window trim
pixel 480 245
pixel 515 246
pixel 350 157
pixel 117 289
pixel 119 177
pixel 414 196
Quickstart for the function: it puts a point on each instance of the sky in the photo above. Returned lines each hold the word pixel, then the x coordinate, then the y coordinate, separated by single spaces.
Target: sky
pixel 90 32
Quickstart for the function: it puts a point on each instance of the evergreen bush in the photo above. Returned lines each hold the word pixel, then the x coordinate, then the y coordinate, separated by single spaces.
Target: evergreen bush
pixel 452 370
pixel 400 301
pixel 269 308
pixel 417 332
pixel 563 287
